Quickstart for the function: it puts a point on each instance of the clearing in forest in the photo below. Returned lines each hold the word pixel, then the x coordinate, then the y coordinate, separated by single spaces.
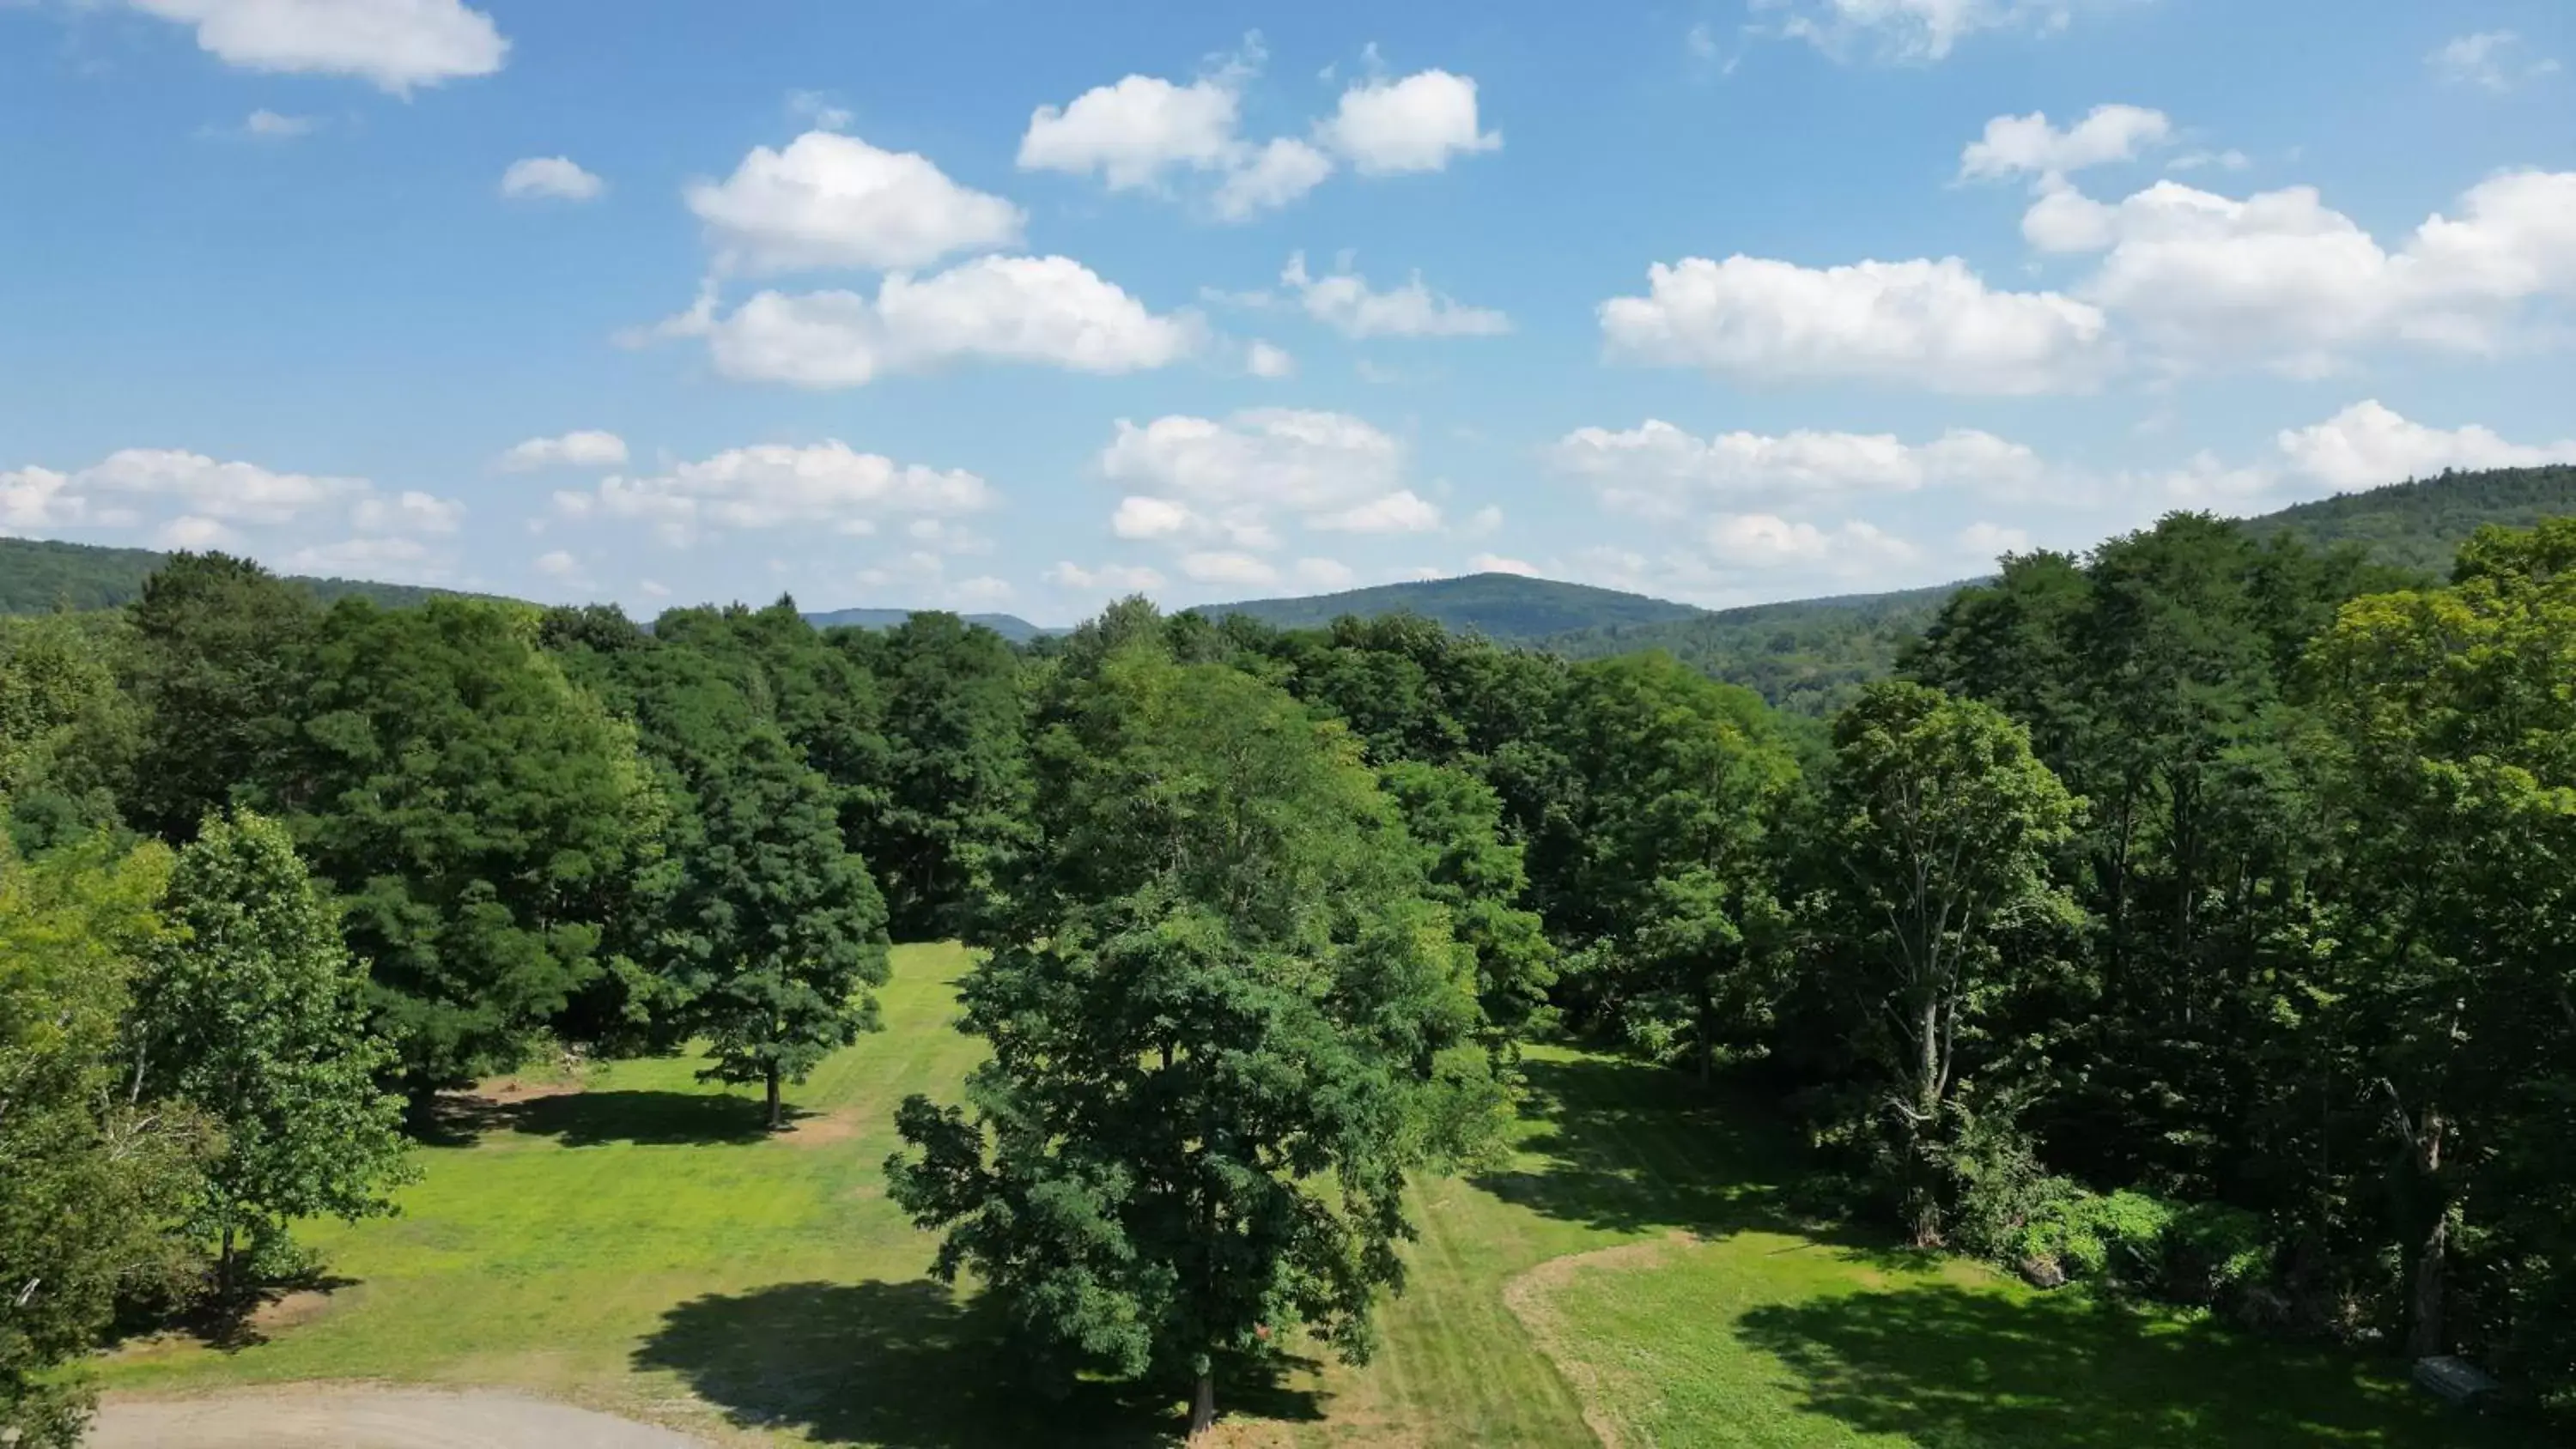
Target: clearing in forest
pixel 642 1246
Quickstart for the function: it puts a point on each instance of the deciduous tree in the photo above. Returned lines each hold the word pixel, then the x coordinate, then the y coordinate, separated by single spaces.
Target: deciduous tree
pixel 250 1011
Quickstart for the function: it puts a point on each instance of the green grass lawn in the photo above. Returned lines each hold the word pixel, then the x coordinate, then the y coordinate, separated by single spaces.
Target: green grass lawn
pixel 643 1247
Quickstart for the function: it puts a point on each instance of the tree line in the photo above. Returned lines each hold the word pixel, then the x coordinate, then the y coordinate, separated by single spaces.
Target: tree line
pixel 2192 917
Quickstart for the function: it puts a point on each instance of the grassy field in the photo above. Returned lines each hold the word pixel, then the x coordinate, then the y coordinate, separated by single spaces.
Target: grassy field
pixel 643 1247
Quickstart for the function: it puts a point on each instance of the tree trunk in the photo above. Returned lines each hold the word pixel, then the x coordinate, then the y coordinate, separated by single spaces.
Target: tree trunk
pixel 224 1260
pixel 777 1113
pixel 2424 1333
pixel 1921 1125
pixel 1203 1408
pixel 1707 1034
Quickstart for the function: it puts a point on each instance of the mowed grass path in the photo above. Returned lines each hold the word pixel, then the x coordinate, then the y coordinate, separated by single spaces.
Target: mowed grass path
pixel 643 1247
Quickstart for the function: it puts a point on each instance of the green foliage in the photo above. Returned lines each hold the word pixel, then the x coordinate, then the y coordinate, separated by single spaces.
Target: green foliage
pixel 2456 729
pixel 2418 525
pixel 89 1174
pixel 1808 657
pixel 1937 829
pixel 249 1011
pixel 776 932
pixel 1455 821
pixel 480 815
pixel 956 809
pixel 217 665
pixel 66 730
pixel 1225 1031
pixel 1651 859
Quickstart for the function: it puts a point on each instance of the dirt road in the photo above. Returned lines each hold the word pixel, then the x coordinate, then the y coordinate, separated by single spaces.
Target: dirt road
pixel 300 1417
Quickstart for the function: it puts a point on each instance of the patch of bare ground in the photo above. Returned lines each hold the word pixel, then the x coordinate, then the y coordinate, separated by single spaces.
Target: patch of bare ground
pixel 822 1130
pixel 1531 1298
pixel 289 1310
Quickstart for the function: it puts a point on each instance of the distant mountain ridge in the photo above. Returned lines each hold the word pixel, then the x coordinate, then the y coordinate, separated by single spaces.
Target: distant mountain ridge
pixel 1802 654
pixel 1009 626
pixel 1500 606
pixel 38 576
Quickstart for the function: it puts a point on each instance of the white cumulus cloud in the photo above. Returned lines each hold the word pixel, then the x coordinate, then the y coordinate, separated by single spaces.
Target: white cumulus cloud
pixel 1049 311
pixel 1201 480
pixel 778 485
pixel 2282 280
pixel 397 44
pixel 2369 444
pixel 554 177
pixel 1660 470
pixel 1270 176
pixel 1114 579
pixel 1133 133
pixel 829 200
pixel 1344 302
pixel 1264 360
pixel 2030 146
pixel 1417 123
pixel 1769 541
pixel 586 448
pixel 1933 324
pixel 409 511
pixel 1228 568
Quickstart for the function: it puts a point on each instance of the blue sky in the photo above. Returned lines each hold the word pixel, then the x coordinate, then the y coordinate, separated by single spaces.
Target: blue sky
pixel 1022 307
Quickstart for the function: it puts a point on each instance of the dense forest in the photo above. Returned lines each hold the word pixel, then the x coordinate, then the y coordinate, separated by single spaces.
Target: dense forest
pixel 2420 524
pixel 2192 919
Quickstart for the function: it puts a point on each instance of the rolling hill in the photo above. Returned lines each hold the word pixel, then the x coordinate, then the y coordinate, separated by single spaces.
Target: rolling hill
pixel 1009 626
pixel 1806 655
pixel 1500 606
pixel 2419 524
pixel 37 577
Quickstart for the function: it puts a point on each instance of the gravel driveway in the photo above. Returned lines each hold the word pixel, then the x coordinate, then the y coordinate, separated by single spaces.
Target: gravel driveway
pixel 291 1417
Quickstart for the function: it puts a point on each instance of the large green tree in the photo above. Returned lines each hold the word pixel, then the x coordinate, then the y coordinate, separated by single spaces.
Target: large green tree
pixel 90 1175
pixel 956 802
pixel 215 669
pixel 482 817
pixel 1226 1026
pixel 1938 826
pixel 1653 861
pixel 250 1011
pixel 776 933
pixel 2456 722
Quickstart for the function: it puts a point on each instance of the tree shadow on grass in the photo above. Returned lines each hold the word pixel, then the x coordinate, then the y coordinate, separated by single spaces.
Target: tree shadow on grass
pixel 902 1365
pixel 670 1119
pixel 1631 1147
pixel 1946 1366
pixel 593 1118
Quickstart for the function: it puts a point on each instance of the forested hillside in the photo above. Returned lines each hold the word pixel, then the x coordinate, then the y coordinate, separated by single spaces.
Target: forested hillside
pixel 1499 606
pixel 2420 524
pixel 37 576
pixel 1009 626
pixel 1809 656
